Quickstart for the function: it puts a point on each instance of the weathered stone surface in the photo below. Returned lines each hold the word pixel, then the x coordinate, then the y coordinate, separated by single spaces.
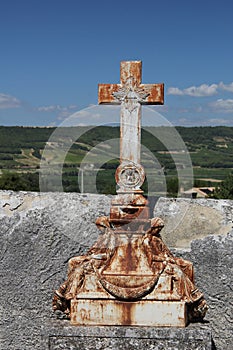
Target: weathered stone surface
pixel 40 232
pixel 194 337
pixel 212 258
pixel 141 313
pixel 186 219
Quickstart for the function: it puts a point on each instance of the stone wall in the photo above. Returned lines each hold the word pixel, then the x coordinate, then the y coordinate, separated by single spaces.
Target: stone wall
pixel 40 232
pixel 190 219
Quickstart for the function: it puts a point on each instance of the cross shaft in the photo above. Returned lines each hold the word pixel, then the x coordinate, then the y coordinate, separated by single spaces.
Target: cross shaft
pixel 131 94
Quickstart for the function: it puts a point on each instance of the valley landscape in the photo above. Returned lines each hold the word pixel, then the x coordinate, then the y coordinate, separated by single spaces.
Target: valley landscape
pixel 22 152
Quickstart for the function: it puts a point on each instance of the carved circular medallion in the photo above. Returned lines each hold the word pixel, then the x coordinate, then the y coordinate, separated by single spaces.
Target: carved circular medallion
pixel 130 175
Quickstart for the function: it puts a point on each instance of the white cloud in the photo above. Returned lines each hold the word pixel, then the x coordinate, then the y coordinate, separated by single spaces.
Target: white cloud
pixel 226 87
pixel 63 112
pixel 196 91
pixel 202 90
pixel 94 115
pixel 183 120
pixel 221 105
pixel 174 91
pixel 48 108
pixel 70 115
pixel 8 101
pixel 72 107
pixel 217 121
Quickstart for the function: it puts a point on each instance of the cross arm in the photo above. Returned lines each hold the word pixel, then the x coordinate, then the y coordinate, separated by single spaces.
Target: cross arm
pixel 155 94
pixel 105 93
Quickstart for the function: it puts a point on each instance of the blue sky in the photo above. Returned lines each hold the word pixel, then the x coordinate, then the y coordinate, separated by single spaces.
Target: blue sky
pixel 55 52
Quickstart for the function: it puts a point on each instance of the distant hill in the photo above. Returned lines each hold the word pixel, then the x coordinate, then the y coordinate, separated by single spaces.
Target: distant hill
pixel 210 149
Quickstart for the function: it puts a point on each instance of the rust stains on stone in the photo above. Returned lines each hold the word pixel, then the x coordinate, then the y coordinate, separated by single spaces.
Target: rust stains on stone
pixel 106 92
pixel 130 87
pixel 131 70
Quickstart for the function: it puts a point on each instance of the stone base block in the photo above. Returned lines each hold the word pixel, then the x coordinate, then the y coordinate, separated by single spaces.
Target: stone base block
pixel 60 335
pixel 137 313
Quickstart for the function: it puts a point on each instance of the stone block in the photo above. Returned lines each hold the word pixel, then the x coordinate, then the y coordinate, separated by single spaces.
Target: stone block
pixel 195 337
pixel 137 313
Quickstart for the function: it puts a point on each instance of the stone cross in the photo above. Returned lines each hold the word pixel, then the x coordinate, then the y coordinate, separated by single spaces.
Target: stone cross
pixel 131 94
pixel 129 276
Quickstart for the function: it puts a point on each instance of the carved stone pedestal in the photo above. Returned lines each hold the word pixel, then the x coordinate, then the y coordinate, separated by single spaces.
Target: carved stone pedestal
pixel 129 276
pixel 60 335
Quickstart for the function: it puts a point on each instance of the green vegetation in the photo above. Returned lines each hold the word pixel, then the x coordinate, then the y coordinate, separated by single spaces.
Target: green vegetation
pixel 19 182
pixel 210 149
pixel 225 190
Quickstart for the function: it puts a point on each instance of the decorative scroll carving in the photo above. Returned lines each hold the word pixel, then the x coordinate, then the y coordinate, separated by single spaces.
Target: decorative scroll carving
pixel 131 94
pixel 161 261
